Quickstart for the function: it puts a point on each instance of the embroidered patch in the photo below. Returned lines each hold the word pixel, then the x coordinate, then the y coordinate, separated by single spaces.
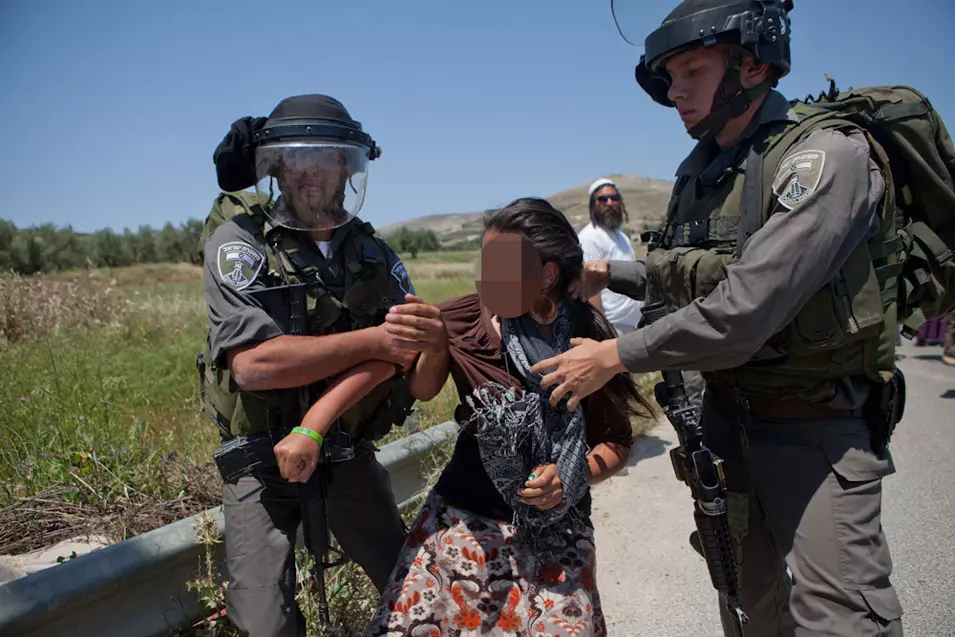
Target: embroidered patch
pixel 400 275
pixel 239 264
pixel 798 176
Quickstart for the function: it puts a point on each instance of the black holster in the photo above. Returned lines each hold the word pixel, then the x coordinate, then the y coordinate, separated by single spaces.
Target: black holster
pixel 883 410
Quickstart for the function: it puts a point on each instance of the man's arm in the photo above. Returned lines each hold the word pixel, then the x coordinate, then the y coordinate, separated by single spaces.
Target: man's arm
pixel 628 278
pixel 244 334
pixel 623 277
pixel 294 361
pixel 418 327
pixel 783 265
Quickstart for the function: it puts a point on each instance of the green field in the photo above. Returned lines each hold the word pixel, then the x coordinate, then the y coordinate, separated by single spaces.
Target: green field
pixel 98 398
pixel 99 418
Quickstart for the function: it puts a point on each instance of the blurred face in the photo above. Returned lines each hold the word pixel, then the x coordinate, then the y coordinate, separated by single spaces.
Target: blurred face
pixel 608 207
pixel 510 274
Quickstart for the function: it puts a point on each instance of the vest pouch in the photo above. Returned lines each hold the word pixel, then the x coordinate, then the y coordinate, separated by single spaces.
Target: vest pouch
pixel 680 275
pixel 324 312
pixel 708 270
pixel 846 310
pixel 238 413
pixel 218 403
pixel 356 419
pixel 366 303
pixel 256 412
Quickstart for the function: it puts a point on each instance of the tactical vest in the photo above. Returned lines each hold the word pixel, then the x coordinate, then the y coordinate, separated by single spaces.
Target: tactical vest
pixel 848 328
pixel 358 298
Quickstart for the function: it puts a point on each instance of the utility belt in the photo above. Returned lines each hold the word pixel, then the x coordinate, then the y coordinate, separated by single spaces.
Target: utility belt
pixel 773 408
pixel 882 411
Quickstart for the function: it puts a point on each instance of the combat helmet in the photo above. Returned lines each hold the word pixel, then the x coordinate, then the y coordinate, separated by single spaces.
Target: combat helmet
pixel 761 27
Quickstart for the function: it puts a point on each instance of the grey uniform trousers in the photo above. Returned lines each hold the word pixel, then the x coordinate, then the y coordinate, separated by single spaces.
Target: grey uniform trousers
pixel 262 514
pixel 815 503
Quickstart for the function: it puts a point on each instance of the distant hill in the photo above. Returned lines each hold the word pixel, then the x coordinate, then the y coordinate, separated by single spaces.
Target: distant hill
pixel 646 201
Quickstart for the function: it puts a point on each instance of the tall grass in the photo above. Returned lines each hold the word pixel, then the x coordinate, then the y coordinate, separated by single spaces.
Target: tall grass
pixel 99 398
pixel 97 407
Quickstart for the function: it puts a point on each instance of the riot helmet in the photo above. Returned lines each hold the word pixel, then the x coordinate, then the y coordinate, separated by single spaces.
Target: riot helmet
pixel 760 27
pixel 311 163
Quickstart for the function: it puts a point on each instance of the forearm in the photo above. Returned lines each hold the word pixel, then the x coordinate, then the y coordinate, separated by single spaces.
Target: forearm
pixel 429 374
pixel 344 392
pixel 597 303
pixel 605 460
pixel 294 361
pixel 628 278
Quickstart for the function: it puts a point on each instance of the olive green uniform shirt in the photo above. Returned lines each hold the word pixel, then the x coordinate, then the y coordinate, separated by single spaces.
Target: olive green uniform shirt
pixel 795 253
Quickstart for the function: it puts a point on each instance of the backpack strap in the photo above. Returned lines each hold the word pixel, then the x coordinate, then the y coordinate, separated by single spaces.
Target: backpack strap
pixel 751 199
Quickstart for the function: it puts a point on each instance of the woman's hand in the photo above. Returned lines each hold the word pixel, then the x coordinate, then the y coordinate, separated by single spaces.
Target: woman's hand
pixel 297 457
pixel 544 489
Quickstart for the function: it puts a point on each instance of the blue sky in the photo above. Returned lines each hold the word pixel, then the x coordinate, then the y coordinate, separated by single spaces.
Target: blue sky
pixel 110 110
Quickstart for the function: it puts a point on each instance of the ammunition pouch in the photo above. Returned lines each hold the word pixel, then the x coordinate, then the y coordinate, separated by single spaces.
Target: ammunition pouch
pixel 884 410
pixel 246 455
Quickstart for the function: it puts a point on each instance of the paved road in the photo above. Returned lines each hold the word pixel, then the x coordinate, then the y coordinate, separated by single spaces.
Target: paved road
pixel 651 582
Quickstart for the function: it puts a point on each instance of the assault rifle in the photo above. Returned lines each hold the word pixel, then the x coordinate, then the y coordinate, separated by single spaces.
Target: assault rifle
pixel 702 471
pixel 248 454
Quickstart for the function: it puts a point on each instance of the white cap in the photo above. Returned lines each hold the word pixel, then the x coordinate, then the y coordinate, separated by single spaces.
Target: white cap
pixel 597 185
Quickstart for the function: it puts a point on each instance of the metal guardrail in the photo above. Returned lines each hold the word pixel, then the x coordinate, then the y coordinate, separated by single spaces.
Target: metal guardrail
pixel 138 587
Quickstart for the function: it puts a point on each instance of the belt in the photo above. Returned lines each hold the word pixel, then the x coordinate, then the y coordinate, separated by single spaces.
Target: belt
pixel 780 408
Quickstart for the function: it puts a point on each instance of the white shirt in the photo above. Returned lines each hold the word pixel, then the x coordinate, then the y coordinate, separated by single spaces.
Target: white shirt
pixel 599 243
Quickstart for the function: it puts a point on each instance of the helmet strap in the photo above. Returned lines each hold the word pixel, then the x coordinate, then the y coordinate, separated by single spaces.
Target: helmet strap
pixel 730 100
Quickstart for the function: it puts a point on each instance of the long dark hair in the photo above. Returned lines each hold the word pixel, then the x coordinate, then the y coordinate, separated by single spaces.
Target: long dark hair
pixel 556 241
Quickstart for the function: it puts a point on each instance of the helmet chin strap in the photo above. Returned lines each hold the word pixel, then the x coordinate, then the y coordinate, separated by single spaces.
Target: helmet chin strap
pixel 731 100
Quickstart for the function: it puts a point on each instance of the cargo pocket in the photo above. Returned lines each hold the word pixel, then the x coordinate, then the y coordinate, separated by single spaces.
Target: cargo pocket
pixel 883 603
pixel 239 501
pixel 856 496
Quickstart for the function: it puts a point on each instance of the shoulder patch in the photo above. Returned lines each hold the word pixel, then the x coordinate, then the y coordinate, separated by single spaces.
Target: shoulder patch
pixel 239 263
pixel 798 176
pixel 400 274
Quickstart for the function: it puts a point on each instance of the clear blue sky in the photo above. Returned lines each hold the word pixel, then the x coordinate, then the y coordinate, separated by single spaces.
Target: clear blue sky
pixel 110 110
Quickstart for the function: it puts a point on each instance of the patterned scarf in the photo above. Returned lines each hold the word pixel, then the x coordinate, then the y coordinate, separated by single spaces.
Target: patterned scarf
pixel 517 430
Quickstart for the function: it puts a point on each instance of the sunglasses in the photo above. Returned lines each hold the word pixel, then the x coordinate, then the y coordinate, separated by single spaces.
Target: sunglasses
pixel 605 198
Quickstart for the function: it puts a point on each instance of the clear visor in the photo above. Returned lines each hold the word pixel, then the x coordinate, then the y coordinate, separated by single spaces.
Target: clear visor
pixel 635 20
pixel 311 185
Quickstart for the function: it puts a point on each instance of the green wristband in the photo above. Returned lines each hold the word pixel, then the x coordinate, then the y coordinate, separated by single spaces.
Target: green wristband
pixel 314 435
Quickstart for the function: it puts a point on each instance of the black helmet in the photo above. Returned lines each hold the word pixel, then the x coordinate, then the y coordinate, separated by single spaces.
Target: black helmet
pixel 759 26
pixel 301 118
pixel 306 118
pixel 311 163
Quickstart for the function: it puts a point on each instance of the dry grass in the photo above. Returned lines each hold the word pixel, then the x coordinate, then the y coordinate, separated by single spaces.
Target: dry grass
pixel 32 308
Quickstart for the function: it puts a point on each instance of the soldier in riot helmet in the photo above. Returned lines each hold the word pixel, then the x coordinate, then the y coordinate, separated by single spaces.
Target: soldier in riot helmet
pixel 298 290
pixel 769 269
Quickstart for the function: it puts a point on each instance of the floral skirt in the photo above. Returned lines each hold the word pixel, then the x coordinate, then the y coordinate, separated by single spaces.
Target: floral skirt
pixel 462 574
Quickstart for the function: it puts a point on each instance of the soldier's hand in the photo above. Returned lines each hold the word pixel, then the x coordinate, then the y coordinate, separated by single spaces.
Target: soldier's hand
pixel 580 371
pixel 297 457
pixel 390 350
pixel 417 326
pixel 594 277
pixel 544 490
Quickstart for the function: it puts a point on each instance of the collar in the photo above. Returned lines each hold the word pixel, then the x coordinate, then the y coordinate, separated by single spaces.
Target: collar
pixel 775 108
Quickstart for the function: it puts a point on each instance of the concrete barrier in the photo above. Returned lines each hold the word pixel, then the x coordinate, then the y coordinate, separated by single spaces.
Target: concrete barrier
pixel 138 587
